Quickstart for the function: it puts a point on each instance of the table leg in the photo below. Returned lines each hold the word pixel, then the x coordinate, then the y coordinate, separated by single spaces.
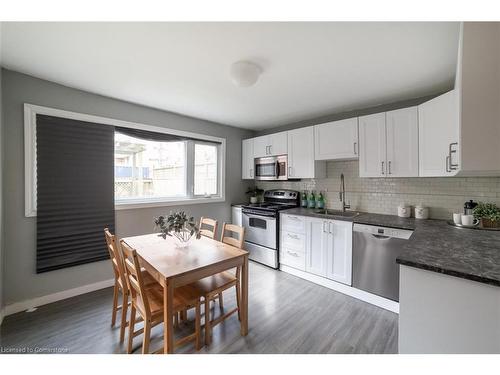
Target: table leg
pixel 168 314
pixel 244 296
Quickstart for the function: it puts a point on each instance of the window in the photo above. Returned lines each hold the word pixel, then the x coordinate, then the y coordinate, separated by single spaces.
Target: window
pixel 175 167
pixel 149 169
pixel 205 169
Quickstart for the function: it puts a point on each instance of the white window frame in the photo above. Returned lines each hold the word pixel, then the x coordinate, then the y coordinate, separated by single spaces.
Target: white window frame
pixel 30 175
pixel 200 142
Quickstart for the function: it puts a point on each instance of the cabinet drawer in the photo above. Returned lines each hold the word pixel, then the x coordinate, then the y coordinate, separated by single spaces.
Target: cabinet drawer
pixel 296 241
pixel 293 223
pixel 293 258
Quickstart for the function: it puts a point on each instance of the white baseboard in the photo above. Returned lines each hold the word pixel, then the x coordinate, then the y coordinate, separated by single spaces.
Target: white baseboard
pixel 345 289
pixel 43 300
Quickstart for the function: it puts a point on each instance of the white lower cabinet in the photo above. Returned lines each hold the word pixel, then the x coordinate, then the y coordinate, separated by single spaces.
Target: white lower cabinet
pixel 317 246
pixel 339 255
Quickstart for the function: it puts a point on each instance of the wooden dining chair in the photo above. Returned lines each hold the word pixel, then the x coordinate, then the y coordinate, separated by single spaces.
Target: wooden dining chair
pixel 212 287
pixel 210 232
pixel 148 302
pixel 121 283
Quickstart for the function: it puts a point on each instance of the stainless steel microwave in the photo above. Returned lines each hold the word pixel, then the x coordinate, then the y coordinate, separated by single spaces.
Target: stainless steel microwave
pixel 271 168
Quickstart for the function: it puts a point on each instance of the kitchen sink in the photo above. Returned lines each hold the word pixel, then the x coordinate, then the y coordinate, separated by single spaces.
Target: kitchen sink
pixel 336 213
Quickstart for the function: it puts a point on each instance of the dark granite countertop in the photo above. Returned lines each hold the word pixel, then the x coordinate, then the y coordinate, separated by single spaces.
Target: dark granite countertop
pixel 438 247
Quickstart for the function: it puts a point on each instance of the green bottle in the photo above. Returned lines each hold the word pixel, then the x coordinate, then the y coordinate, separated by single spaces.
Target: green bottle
pixel 311 202
pixel 320 201
pixel 303 200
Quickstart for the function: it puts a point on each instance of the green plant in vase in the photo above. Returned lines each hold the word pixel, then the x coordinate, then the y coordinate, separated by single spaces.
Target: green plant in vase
pixel 254 193
pixel 488 213
pixel 178 225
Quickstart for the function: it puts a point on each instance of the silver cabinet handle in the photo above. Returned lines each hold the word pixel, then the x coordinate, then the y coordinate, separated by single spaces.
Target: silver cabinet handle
pixel 453 167
pixel 389 166
pixel 290 171
pixel 292 253
pixel 267 150
pixel 383 172
pixel 355 151
pixel 293 218
pixel 294 236
pixel 324 226
pixel 270 149
pixel 448 164
pixel 251 172
pixel 330 224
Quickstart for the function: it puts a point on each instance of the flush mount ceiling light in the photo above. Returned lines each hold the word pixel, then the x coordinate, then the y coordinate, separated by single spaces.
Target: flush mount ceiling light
pixel 245 73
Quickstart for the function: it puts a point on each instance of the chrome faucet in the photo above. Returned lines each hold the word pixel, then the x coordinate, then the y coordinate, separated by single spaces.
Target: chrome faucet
pixel 342 193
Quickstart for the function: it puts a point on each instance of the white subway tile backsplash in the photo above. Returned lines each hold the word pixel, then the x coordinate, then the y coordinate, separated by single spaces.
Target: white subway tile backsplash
pixel 443 195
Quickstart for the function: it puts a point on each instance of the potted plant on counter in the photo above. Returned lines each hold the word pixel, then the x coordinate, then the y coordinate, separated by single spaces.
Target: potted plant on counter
pixel 179 226
pixel 254 193
pixel 488 213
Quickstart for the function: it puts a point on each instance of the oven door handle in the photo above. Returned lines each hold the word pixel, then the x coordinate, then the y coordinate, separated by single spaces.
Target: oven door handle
pixel 263 217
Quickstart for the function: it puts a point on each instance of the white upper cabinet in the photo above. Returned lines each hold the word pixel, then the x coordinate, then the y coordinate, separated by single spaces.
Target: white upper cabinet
pixel 271 145
pixel 336 140
pixel 247 159
pixel 402 142
pixel 261 146
pixel 389 144
pixel 372 146
pixel 300 153
pixel 339 256
pixel 278 143
pixel 438 131
pixel 301 163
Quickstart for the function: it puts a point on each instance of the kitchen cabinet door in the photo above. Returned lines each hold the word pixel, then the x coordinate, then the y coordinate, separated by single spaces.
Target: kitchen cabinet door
pixel 402 142
pixel 336 140
pixel 301 153
pixel 339 254
pixel 278 143
pixel 438 132
pixel 372 146
pixel 247 159
pixel 261 146
pixel 316 246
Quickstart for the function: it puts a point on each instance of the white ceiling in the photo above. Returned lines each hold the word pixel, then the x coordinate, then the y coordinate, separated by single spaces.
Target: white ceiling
pixel 309 69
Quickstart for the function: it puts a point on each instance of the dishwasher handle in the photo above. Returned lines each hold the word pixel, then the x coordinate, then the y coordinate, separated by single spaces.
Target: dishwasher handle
pixel 380 237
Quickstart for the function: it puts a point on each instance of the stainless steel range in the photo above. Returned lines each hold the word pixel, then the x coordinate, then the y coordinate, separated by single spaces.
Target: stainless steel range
pixel 261 222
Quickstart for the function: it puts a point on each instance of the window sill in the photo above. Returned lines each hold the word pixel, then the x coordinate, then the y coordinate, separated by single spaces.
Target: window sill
pixel 124 205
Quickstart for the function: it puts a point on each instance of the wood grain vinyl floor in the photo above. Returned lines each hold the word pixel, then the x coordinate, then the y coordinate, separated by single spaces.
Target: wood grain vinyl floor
pixel 286 315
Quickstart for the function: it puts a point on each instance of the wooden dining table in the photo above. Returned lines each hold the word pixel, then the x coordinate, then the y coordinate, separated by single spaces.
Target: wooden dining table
pixel 172 267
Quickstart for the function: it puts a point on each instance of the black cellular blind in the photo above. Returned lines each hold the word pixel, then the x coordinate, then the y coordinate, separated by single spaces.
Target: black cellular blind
pixel 75 191
pixel 155 136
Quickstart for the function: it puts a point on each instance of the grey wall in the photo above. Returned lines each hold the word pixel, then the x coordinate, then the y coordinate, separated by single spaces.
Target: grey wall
pixel 21 281
pixel 1 201
pixel 350 114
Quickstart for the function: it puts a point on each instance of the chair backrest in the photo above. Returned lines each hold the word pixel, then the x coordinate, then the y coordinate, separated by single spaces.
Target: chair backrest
pixel 135 280
pixel 116 259
pixel 234 229
pixel 208 232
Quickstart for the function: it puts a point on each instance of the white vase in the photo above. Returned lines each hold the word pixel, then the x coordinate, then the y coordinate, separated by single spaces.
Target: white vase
pixel 254 200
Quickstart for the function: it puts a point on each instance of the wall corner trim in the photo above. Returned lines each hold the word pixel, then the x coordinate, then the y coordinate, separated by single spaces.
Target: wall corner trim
pixel 49 298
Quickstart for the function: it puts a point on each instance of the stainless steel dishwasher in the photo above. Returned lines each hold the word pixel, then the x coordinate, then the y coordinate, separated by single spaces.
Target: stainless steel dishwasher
pixel 374 253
